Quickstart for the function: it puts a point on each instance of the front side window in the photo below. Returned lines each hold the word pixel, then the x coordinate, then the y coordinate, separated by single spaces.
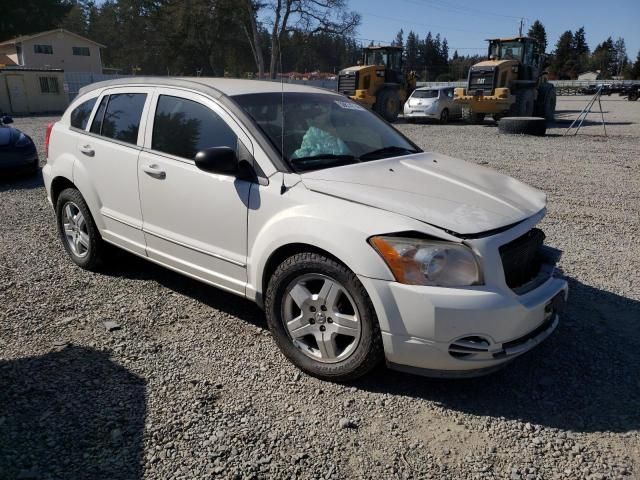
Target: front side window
pixel 81 51
pixel 44 49
pixel 322 130
pixel 80 115
pixel 183 127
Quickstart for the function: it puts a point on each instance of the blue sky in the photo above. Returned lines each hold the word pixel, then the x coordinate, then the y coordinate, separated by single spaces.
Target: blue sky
pixel 466 23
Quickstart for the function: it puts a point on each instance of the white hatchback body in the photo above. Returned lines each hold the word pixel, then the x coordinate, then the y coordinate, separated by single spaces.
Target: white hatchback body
pixel 227 231
pixel 429 103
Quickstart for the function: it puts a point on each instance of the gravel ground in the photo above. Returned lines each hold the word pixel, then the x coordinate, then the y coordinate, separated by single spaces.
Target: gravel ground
pixel 191 385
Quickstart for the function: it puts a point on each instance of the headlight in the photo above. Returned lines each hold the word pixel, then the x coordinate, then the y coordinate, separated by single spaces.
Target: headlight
pixel 428 262
pixel 23 140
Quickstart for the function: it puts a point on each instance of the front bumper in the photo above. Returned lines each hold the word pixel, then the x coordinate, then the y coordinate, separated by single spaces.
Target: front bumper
pixel 18 159
pixel 486 103
pixel 424 328
pixel 417 112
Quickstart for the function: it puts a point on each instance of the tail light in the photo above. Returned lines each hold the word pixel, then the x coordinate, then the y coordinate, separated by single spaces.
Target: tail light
pixel 47 137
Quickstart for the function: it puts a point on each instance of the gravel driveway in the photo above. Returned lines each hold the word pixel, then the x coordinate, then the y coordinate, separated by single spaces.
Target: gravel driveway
pixel 191 384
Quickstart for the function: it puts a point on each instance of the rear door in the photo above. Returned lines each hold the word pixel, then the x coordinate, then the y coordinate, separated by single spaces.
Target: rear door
pixel 109 159
pixel 194 221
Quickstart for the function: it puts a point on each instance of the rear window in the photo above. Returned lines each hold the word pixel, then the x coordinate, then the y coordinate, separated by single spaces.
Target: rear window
pixel 118 116
pixel 80 115
pixel 425 94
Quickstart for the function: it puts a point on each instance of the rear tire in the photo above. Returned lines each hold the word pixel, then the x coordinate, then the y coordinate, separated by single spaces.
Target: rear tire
pixel 388 104
pixel 77 230
pixel 545 105
pixel 523 125
pixel 298 339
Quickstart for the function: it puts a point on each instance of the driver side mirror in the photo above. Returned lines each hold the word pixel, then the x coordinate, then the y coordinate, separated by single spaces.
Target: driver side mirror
pixel 6 119
pixel 220 160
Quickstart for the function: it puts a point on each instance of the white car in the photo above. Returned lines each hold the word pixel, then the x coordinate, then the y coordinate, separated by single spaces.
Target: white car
pixel 358 245
pixel 432 103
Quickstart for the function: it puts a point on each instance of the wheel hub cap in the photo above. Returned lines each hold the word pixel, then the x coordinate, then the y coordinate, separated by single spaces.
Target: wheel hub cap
pixel 321 318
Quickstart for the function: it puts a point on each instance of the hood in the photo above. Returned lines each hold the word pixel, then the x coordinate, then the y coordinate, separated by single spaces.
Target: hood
pixel 8 136
pixel 442 191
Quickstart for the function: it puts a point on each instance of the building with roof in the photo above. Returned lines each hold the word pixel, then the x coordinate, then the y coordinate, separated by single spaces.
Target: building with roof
pixel 53 49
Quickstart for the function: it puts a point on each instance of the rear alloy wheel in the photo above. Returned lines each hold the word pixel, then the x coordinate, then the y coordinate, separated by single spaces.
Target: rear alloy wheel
pixel 322 318
pixel 78 231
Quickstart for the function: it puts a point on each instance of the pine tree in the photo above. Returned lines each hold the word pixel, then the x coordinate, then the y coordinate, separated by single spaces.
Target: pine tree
pixel 412 51
pixel 604 59
pixel 399 40
pixel 538 32
pixel 581 50
pixel 563 64
pixel 635 71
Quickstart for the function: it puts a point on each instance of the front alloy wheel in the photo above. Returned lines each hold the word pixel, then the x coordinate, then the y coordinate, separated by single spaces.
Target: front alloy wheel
pixel 322 319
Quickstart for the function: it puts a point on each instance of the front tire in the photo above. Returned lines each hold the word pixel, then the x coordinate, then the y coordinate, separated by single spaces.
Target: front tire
pixel 322 319
pixel 77 230
pixel 444 116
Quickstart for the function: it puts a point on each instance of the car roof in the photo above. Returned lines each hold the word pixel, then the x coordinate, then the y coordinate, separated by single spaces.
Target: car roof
pixel 439 87
pixel 212 85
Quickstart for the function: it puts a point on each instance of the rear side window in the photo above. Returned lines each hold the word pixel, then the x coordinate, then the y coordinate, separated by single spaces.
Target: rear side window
pixel 96 126
pixel 80 115
pixel 122 116
pixel 183 127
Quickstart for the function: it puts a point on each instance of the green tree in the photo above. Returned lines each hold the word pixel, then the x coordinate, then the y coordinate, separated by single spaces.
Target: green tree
pixel 635 70
pixel 412 51
pixel 563 63
pixel 581 50
pixel 538 32
pixel 22 17
pixel 603 59
pixel 399 40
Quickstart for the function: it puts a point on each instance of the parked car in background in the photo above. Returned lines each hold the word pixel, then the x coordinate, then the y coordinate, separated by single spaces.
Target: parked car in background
pixel 631 92
pixel 360 246
pixel 18 153
pixel 432 103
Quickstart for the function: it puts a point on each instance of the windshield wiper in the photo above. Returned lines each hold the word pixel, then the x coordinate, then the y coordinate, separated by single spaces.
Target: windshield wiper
pixel 382 152
pixel 323 160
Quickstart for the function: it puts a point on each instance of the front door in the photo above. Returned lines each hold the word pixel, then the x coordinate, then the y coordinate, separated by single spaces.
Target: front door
pixel 194 221
pixel 17 94
pixel 108 156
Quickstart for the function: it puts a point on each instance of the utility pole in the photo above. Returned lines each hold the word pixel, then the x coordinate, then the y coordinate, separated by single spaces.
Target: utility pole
pixel 520 31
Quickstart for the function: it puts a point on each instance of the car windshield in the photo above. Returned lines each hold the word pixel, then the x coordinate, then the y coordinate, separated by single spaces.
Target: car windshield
pixel 322 130
pixel 425 94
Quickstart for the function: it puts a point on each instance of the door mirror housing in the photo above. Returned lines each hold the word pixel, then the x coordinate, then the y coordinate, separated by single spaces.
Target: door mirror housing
pixel 221 160
pixel 6 119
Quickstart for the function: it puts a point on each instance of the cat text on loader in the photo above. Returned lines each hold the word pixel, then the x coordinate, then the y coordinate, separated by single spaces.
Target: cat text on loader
pixel 511 83
pixel 379 83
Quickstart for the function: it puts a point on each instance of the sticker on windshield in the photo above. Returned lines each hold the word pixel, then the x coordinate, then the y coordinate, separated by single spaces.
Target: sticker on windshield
pixel 348 105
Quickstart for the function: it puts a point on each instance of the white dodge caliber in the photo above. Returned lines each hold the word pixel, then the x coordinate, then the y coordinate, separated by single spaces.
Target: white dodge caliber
pixel 358 245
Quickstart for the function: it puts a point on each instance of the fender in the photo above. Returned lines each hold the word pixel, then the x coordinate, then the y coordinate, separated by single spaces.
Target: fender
pixel 310 219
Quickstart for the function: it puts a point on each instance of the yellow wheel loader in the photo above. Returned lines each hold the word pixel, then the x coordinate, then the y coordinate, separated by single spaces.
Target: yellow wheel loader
pixel 379 82
pixel 510 83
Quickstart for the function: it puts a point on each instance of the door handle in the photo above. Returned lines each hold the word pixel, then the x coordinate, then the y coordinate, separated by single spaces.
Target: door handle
pixel 154 171
pixel 87 150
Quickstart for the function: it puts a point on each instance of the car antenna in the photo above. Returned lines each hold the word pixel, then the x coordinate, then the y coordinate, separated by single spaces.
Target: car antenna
pixel 283 187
